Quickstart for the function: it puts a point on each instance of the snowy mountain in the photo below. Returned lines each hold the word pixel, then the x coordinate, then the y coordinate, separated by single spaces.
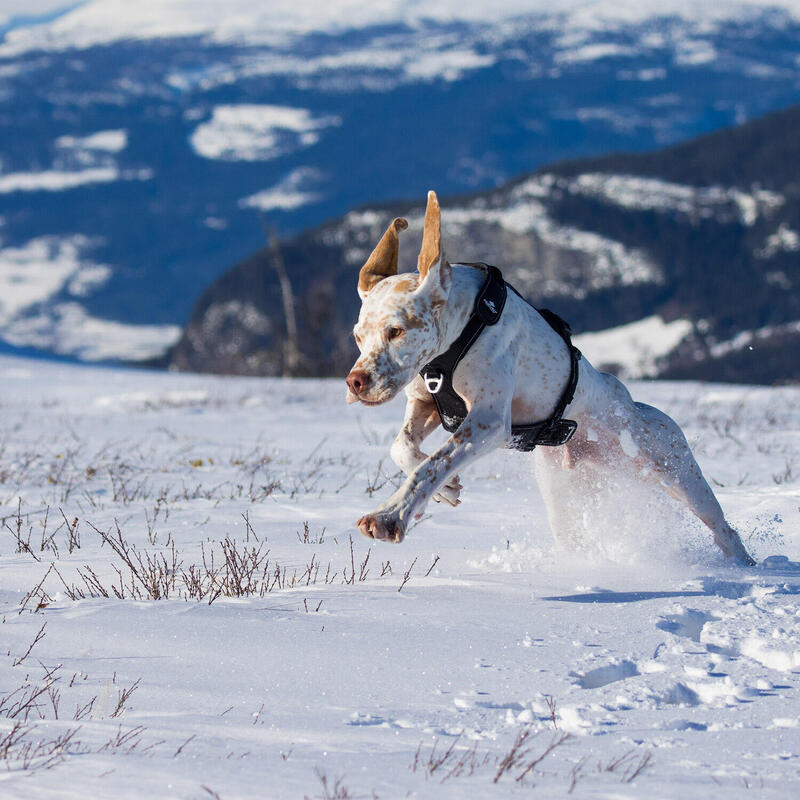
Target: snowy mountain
pixel 141 144
pixel 261 650
pixel 683 262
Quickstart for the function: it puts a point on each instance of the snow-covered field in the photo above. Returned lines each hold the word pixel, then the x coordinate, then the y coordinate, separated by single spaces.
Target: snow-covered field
pixel 249 132
pixel 102 21
pixel 282 659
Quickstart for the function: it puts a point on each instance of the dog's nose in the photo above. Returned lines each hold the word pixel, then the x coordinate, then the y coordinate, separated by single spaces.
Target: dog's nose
pixel 357 381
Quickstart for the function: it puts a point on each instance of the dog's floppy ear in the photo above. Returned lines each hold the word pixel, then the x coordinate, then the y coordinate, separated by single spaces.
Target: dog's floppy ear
pixel 435 273
pixel 383 261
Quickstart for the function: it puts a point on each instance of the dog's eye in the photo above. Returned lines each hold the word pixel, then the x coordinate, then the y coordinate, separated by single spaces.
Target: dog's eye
pixel 394 333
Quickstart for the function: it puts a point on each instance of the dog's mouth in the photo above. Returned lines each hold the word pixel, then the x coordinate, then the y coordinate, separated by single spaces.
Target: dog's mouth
pixel 369 399
pixel 366 402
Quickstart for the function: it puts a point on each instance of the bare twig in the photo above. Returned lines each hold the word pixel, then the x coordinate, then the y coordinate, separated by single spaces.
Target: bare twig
pixel 406 576
pixel 39 636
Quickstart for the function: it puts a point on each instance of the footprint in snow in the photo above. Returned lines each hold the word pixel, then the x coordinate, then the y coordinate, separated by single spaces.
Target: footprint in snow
pixel 610 673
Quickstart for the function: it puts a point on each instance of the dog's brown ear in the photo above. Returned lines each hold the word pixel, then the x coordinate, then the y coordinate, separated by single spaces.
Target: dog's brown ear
pixel 435 273
pixel 431 249
pixel 383 261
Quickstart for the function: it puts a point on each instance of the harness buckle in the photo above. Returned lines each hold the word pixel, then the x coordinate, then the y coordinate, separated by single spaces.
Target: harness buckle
pixel 557 433
pixel 433 381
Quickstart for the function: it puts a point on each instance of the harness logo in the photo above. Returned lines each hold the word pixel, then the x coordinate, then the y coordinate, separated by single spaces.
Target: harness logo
pixel 490 305
pixel 433 382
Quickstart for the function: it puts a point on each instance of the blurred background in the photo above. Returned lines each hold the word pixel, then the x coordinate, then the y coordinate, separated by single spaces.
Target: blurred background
pixel 194 184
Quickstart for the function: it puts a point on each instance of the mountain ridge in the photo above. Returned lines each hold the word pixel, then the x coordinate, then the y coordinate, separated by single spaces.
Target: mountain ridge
pixel 134 172
pixel 604 249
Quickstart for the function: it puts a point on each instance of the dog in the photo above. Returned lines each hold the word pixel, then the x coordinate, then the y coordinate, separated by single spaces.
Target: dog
pixel 520 368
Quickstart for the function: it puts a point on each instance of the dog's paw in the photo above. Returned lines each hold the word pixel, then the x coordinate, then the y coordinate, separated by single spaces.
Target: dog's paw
pixel 383 526
pixel 449 492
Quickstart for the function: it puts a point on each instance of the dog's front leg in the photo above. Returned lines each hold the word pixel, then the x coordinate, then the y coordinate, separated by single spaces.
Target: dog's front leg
pixel 420 421
pixel 484 428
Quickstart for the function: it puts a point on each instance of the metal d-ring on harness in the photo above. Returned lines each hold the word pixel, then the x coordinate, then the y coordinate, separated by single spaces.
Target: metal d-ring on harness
pixel 438 373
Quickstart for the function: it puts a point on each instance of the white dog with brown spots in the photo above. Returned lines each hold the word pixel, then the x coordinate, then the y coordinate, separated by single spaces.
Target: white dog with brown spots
pixel 515 373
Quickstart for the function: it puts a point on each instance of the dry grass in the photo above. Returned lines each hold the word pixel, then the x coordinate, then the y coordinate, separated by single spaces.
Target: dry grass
pixel 455 761
pixel 520 762
pixel 332 790
pixel 28 742
pixel 227 568
pixel 165 475
pixel 629 766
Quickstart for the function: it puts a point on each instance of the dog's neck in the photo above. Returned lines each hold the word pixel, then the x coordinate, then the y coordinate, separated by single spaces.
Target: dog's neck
pixel 467 282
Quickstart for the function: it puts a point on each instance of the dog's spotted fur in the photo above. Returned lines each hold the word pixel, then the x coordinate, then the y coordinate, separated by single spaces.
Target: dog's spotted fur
pixel 516 371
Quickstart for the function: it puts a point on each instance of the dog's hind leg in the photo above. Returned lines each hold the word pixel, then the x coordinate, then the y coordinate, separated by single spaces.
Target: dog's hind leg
pixel 697 495
pixel 663 455
pixel 556 487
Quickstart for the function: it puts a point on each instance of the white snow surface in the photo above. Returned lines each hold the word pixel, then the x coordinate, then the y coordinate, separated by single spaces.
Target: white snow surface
pixel 747 338
pixel 276 22
pixel 783 239
pixel 34 275
pixel 68 329
pixel 52 180
pixel 654 194
pixel 634 347
pixel 292 191
pixel 611 262
pixel 673 673
pixel 381 63
pixel 110 141
pixel 79 161
pixel 38 270
pixel 250 132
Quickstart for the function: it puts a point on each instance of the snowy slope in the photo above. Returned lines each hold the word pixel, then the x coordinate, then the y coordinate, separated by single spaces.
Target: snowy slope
pixel 159 134
pixel 628 247
pixel 105 21
pixel 672 673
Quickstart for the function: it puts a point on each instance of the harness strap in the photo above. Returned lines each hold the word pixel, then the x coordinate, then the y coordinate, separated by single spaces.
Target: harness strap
pixel 438 373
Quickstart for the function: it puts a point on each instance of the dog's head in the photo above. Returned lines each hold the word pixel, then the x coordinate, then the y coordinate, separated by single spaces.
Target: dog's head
pixel 399 324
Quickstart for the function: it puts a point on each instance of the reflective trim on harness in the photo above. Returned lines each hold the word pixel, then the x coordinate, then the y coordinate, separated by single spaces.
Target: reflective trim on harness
pixel 437 374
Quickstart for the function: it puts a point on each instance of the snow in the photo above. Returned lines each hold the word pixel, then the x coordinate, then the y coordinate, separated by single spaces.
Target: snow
pixel 592 52
pixel 53 180
pixel 33 275
pixel 674 673
pixel 649 74
pixel 628 445
pixel 68 329
pixel 36 271
pixel 42 267
pixel 609 262
pixel 249 132
pixel 747 338
pixel 79 161
pixel 292 191
pixel 104 21
pixel 381 63
pixel 448 64
pixel 695 52
pixel 110 141
pixel 783 239
pixel 654 194
pixel 635 347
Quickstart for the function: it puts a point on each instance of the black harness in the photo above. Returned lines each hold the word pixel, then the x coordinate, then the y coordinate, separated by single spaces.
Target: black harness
pixel 438 373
